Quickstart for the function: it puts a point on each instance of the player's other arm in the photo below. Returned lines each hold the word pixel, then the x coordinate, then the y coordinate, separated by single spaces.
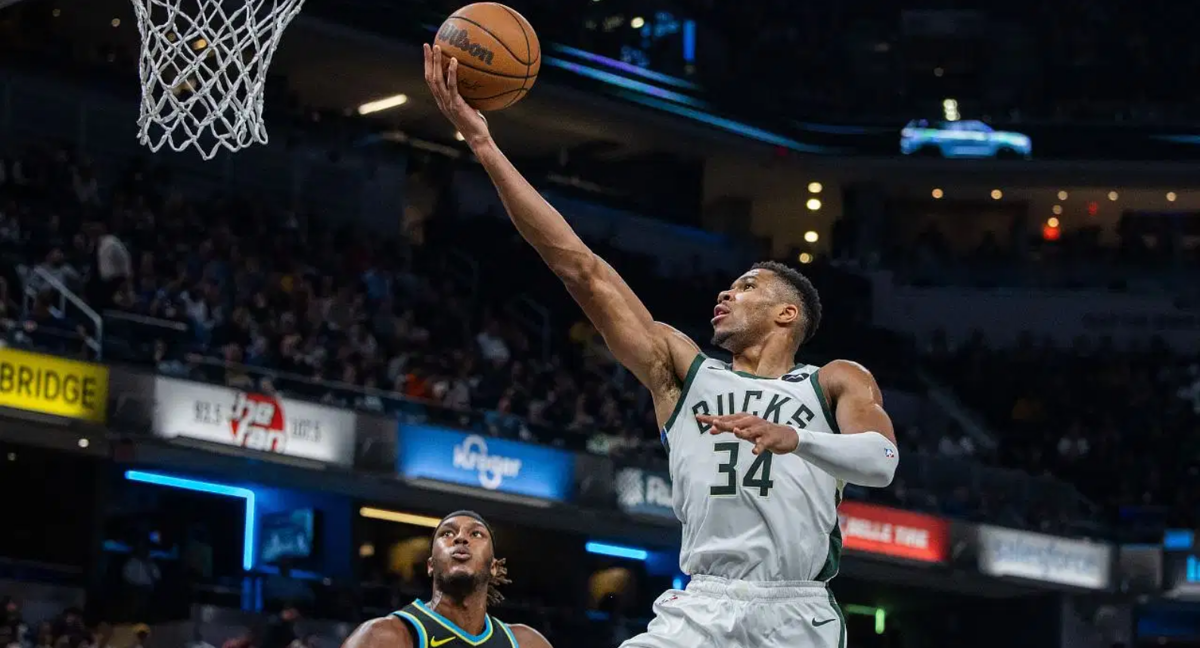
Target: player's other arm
pixel 865 452
pixel 384 632
pixel 527 637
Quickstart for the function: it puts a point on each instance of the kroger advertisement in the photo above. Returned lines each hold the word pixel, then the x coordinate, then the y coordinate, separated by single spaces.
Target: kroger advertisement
pixel 439 454
pixel 255 421
pixel 1045 558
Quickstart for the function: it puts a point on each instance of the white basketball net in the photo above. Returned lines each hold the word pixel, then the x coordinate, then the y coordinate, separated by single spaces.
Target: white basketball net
pixel 204 71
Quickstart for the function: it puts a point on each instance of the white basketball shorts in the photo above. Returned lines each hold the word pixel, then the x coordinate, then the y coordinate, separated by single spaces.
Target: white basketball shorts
pixel 720 613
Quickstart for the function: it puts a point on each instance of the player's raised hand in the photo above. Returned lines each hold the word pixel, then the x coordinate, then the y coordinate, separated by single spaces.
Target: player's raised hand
pixel 765 435
pixel 442 78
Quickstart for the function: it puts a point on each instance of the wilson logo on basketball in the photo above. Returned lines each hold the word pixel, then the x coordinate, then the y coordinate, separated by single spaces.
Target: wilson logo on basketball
pixel 459 38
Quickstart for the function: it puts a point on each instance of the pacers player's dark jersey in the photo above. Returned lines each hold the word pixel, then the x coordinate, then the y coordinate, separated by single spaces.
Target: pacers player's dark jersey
pixel 432 630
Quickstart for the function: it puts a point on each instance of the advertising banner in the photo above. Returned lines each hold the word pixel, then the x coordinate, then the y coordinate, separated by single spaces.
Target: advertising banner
pixel 255 421
pixel 894 533
pixel 48 385
pixel 644 492
pixel 440 454
pixel 1044 558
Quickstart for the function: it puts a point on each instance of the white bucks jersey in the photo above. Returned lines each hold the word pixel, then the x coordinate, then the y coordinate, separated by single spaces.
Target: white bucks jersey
pixel 760 518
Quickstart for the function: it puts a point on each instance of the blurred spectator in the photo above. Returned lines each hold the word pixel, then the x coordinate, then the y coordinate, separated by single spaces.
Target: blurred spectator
pixel 141 634
pixel 280 630
pixel 141 576
pixel 114 265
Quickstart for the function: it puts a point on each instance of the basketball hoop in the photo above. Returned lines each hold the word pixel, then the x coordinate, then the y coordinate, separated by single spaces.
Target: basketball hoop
pixel 203 71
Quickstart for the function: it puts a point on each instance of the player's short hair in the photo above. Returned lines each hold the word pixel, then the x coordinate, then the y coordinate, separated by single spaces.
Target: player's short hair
pixel 804 292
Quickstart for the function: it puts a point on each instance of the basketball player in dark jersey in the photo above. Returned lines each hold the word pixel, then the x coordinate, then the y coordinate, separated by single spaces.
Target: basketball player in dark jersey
pixel 465 574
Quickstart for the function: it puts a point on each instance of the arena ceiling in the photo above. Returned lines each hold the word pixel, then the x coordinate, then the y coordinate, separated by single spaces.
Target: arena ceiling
pixel 338 69
pixel 342 68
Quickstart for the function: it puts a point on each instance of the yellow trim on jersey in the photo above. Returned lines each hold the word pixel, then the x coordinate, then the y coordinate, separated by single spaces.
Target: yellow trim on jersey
pixel 508 631
pixel 421 635
pixel 460 633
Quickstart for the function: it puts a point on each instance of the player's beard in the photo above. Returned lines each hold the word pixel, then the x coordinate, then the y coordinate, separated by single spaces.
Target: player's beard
pixel 730 339
pixel 459 585
pixel 719 338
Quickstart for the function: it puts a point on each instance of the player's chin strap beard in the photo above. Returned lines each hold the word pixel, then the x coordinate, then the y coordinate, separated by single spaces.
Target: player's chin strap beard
pixel 460 586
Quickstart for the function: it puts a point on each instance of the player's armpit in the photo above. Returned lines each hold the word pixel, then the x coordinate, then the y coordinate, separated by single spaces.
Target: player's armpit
pixel 681 349
pixel 855 399
pixel 384 632
pixel 527 637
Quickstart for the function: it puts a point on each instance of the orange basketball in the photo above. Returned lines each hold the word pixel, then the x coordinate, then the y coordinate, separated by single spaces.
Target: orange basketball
pixel 498 54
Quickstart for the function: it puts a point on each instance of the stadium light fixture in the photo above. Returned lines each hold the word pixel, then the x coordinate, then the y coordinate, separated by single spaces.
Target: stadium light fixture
pixel 398 517
pixel 386 103
pixel 617 551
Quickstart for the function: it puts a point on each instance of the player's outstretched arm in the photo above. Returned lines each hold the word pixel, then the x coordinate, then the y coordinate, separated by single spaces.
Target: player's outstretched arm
pixel 527 637
pixel 647 349
pixel 384 632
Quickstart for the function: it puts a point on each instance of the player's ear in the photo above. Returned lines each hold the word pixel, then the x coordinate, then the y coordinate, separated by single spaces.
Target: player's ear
pixel 429 566
pixel 788 314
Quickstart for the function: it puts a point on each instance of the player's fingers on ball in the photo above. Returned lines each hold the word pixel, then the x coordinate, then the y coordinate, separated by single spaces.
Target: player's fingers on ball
pixel 428 67
pixel 452 75
pixel 438 71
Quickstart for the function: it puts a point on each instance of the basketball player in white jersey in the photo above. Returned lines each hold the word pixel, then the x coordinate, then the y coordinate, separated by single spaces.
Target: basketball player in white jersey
pixel 759 448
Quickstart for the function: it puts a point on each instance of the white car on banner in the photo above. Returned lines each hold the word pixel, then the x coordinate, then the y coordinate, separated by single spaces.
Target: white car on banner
pixel 254 421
